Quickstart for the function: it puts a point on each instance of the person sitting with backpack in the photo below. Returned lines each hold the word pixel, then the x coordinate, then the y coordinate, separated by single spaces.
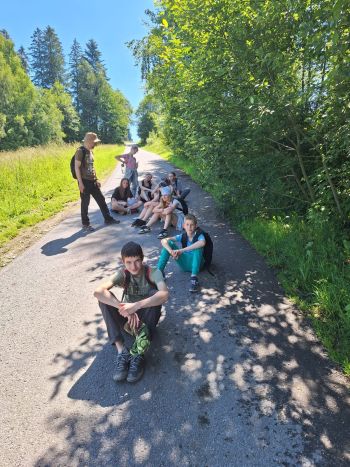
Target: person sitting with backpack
pixel 191 256
pixel 122 200
pixel 179 192
pixel 169 210
pixel 138 312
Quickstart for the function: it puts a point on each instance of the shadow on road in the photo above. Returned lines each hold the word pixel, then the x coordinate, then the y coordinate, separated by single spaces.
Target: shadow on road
pixel 57 246
pixel 235 377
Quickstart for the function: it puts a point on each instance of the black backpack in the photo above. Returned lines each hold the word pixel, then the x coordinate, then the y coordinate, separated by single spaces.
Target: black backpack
pixel 184 206
pixel 72 162
pixel 208 247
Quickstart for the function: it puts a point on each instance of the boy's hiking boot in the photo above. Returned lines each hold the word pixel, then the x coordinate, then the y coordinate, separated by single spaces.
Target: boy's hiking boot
pixel 144 229
pixel 136 368
pixel 194 287
pixel 163 233
pixel 122 368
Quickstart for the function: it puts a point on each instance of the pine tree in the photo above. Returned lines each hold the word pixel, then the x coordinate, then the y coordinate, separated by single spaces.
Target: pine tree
pixel 24 58
pixel 4 33
pixel 37 60
pixel 93 56
pixel 75 58
pixel 54 59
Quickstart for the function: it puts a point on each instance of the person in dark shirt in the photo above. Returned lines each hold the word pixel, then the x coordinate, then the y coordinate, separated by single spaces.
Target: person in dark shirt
pixel 122 200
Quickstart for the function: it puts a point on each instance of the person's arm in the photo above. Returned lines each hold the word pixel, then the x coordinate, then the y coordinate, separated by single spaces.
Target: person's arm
pixel 119 158
pixel 103 294
pixel 165 244
pixel 160 297
pixel 170 208
pixel 194 246
pixel 158 208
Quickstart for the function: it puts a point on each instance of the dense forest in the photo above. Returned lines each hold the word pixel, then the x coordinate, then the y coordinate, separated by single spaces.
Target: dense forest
pixel 43 100
pixel 256 96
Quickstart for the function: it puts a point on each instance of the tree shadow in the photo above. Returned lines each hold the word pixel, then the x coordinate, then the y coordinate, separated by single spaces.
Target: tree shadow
pixel 235 376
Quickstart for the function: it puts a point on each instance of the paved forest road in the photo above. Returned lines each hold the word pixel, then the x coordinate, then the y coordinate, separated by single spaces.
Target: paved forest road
pixel 235 376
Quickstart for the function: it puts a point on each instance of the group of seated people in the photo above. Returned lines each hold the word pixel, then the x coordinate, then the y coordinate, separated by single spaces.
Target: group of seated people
pixel 162 201
pixel 144 288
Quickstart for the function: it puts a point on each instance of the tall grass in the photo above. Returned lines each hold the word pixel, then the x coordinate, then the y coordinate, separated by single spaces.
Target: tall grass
pixel 36 183
pixel 311 259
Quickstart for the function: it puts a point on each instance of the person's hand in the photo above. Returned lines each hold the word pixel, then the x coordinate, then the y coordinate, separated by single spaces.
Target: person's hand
pixel 98 184
pixel 134 322
pixel 177 253
pixel 128 308
pixel 81 187
pixel 173 253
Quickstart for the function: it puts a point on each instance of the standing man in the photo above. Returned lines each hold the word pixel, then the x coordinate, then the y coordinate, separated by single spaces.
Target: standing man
pixel 88 183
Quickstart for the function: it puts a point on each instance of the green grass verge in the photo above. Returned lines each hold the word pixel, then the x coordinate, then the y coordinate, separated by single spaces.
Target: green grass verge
pixel 311 261
pixel 36 183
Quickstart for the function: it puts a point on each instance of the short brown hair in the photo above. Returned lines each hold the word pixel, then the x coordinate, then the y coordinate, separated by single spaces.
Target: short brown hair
pixel 132 250
pixel 191 217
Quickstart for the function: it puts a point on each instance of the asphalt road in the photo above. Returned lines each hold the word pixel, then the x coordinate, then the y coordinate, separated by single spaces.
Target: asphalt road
pixel 235 376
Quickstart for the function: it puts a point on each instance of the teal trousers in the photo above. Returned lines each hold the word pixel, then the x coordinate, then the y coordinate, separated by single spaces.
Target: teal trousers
pixel 190 261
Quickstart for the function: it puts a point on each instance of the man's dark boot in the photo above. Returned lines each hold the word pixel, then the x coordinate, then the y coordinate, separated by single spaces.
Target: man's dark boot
pixel 136 368
pixel 123 360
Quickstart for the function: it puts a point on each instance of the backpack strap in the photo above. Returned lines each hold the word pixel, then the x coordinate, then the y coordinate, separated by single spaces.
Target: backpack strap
pixel 127 279
pixel 84 151
pixel 184 240
pixel 148 276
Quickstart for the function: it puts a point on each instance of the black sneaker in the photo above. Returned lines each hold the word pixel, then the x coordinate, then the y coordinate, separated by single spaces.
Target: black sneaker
pixel 136 368
pixel 123 360
pixel 88 228
pixel 163 233
pixel 138 223
pixel 194 287
pixel 111 220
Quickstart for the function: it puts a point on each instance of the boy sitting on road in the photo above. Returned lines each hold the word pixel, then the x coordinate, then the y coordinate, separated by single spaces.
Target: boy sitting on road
pixel 189 258
pixel 138 311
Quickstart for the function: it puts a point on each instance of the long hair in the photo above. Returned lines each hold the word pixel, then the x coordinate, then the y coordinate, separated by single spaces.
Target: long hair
pixel 164 204
pixel 125 192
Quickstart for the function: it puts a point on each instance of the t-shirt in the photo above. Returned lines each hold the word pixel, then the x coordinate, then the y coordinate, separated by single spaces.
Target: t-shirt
pixel 130 161
pixel 118 195
pixel 139 288
pixel 189 242
pixel 87 168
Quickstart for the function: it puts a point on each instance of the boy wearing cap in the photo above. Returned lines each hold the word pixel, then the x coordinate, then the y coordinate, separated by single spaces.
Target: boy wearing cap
pixel 166 211
pixel 88 183
pixel 138 312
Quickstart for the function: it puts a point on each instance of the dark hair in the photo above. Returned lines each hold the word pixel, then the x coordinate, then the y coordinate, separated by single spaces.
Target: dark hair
pixel 124 192
pixel 173 173
pixel 132 250
pixel 164 182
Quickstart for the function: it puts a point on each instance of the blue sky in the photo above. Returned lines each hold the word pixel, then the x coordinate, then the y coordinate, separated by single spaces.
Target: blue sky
pixel 110 22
